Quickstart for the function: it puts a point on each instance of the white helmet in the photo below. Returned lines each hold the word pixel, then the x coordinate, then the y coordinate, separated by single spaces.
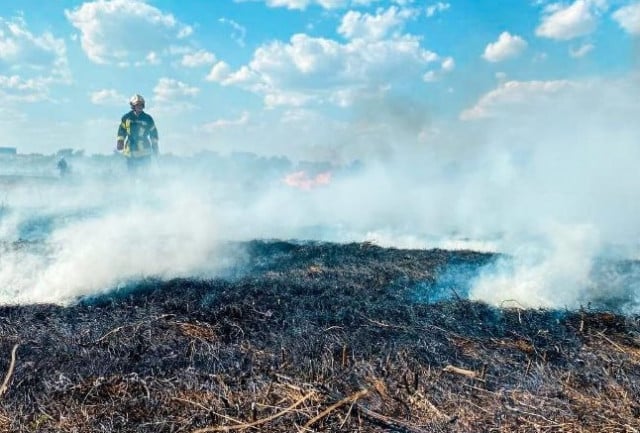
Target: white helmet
pixel 136 100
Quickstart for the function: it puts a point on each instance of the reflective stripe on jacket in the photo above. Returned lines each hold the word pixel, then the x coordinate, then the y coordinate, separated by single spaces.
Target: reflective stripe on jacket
pixel 139 134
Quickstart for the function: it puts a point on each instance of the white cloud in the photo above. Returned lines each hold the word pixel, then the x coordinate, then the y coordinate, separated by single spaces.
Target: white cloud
pixel 152 58
pixel 173 96
pixel 30 64
pixel 448 64
pixel 39 57
pixel 185 31
pixel 169 89
pixel 219 72
pixel 239 32
pixel 628 18
pixel 568 22
pixel 243 119
pixel 325 4
pixel 511 93
pixel 294 99
pixel 507 46
pixel 17 89
pixel 222 73
pixel 124 31
pixel 308 69
pixel 581 51
pixel 198 58
pixel 8 48
pixel 289 4
pixel 437 7
pixel 107 97
pixel 373 27
pixel 10 117
pixel 430 76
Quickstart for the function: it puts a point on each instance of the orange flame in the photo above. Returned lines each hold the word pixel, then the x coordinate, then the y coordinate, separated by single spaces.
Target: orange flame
pixel 301 180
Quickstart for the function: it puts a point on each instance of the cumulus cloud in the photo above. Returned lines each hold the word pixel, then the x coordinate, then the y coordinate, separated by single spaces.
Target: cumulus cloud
pixel 325 4
pixel 16 89
pixel 169 89
pixel 511 93
pixel 239 32
pixel 107 97
pixel 152 58
pixel 581 51
pixel 568 22
pixel 447 65
pixel 173 96
pixel 219 72
pixel 437 8
pixel 430 76
pixel 243 119
pixel 373 27
pixel 507 46
pixel 198 58
pixel 32 62
pixel 22 50
pixel 106 29
pixel 308 69
pixel 628 17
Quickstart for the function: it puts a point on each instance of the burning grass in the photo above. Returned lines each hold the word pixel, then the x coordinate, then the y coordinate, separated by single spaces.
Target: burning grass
pixel 316 337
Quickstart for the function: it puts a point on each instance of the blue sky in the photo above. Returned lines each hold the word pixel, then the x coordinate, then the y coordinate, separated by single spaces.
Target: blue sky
pixel 310 79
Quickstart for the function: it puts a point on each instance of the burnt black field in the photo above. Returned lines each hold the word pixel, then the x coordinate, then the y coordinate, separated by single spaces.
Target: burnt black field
pixel 303 337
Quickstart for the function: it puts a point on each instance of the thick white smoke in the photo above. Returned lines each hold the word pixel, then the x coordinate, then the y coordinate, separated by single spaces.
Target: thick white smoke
pixel 570 192
pixel 139 229
pixel 544 172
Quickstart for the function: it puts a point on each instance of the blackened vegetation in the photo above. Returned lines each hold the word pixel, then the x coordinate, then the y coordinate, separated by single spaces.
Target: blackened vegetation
pixel 316 337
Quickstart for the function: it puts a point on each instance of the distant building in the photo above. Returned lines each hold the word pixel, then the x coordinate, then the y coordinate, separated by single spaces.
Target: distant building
pixel 8 151
pixel 63 167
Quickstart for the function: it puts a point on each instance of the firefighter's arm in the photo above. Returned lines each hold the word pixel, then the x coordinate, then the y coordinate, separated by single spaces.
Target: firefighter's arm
pixel 153 133
pixel 122 133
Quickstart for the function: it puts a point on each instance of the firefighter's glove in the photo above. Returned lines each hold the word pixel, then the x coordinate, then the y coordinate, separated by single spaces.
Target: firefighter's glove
pixel 120 145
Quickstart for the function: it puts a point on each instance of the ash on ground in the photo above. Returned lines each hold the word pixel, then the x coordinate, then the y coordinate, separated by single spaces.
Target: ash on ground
pixel 310 337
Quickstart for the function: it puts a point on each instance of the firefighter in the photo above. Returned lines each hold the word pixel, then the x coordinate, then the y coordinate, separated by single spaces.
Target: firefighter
pixel 137 135
pixel 63 167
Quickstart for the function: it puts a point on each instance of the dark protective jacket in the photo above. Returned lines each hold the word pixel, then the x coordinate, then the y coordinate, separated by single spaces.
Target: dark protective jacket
pixel 139 134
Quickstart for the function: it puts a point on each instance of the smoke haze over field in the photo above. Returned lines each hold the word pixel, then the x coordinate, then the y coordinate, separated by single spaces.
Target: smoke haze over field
pixel 544 172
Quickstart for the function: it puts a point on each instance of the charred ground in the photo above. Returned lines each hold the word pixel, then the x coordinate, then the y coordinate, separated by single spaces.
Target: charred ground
pixel 316 337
